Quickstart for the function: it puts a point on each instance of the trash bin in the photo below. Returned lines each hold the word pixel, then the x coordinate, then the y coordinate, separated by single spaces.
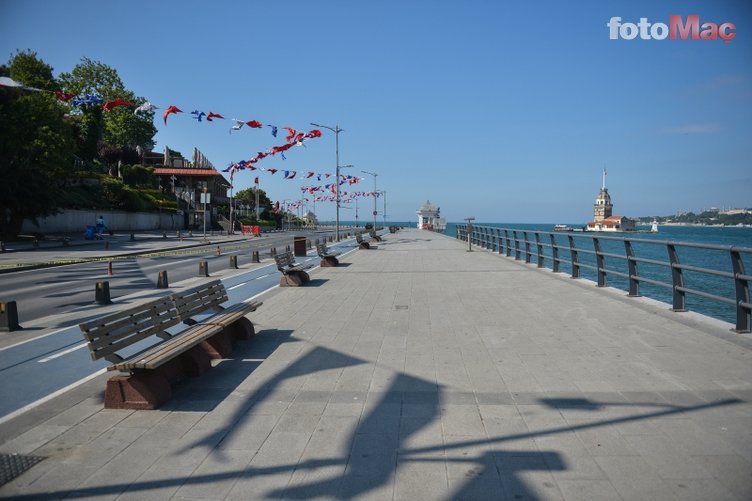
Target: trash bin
pixel 89 235
pixel 299 247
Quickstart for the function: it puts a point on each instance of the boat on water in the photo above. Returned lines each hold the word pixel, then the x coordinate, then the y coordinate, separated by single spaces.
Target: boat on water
pixel 564 227
pixel 654 226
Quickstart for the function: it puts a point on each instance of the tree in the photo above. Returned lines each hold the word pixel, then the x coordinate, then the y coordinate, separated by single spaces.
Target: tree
pixel 120 131
pixel 36 145
pixel 248 197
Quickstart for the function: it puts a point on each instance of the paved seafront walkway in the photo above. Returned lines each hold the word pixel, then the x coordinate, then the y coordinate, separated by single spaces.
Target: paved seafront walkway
pixel 418 370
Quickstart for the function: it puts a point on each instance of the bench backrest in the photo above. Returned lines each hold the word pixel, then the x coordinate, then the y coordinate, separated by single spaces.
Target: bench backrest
pixel 359 237
pixel 372 233
pixel 321 249
pixel 196 300
pixel 284 259
pixel 111 333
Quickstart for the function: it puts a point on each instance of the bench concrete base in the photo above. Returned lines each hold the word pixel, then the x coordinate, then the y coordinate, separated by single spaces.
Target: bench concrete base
pixel 290 280
pixel 219 345
pixel 142 391
pixel 329 261
pixel 364 246
pixel 241 329
pixel 195 361
pixel 294 279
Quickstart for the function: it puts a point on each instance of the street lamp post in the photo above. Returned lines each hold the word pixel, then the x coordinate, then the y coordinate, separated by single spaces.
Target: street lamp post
pixel 336 131
pixel 383 192
pixel 375 211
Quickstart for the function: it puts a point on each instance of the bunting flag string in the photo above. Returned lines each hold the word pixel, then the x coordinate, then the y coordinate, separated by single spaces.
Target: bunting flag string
pixel 294 140
pixel 95 100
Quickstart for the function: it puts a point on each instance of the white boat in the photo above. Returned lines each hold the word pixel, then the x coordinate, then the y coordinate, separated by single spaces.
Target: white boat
pixel 654 226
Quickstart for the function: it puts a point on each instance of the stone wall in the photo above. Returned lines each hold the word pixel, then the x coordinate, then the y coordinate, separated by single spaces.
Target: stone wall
pixel 75 221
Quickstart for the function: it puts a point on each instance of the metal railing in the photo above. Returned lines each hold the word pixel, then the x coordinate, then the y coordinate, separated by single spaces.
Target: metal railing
pixel 619 257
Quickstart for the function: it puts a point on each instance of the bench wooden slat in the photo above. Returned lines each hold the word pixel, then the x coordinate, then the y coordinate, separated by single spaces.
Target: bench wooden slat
pixel 157 355
pixel 196 300
pixel 324 252
pixel 232 313
pixel 107 335
pixel 286 263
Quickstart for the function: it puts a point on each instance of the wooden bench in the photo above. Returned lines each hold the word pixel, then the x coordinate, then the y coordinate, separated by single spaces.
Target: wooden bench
pixel 328 258
pixel 293 274
pixel 374 236
pixel 362 244
pixel 209 297
pixel 136 342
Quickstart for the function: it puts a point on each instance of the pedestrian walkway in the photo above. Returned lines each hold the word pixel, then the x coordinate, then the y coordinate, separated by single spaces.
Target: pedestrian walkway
pixel 418 370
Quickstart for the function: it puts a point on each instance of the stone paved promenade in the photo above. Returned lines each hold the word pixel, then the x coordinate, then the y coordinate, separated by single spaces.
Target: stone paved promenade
pixel 418 370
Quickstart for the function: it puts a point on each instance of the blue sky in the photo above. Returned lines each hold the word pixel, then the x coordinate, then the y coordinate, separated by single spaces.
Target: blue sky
pixel 506 111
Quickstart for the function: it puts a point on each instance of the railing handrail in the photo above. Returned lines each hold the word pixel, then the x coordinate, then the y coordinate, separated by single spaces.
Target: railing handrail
pixel 518 242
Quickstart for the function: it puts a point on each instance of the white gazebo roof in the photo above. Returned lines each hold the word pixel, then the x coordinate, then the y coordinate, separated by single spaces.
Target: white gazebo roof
pixel 428 208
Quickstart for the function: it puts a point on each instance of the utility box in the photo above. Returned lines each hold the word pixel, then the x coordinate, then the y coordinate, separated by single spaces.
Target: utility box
pixel 299 246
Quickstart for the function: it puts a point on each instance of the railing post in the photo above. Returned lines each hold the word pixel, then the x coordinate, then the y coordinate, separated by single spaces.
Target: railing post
pixel 528 254
pixel 499 241
pixel 634 282
pixel 743 312
pixel 554 253
pixel 575 258
pixel 600 262
pixel 509 243
pixel 539 245
pixel 677 280
pixel 516 246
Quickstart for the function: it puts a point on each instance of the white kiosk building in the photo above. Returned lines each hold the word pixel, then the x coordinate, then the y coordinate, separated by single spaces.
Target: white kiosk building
pixel 428 217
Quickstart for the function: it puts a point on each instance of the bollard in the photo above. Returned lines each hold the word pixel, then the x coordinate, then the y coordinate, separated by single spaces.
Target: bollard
pixel 287 249
pixel 255 257
pixel 133 237
pixel 234 262
pixel 106 244
pixel 162 282
pixel 9 317
pixel 66 242
pixel 164 234
pixel 203 269
pixel 219 252
pixel 109 268
pixel 273 251
pixel 2 246
pixel 36 243
pixel 190 233
pixel 102 293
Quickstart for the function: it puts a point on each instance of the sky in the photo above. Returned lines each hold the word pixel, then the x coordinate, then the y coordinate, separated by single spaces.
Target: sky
pixel 504 111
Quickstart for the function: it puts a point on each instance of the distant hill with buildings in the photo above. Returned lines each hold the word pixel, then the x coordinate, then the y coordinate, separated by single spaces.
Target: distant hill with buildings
pixel 731 217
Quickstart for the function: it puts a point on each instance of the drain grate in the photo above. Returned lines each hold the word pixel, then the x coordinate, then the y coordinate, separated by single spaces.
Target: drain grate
pixel 12 465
